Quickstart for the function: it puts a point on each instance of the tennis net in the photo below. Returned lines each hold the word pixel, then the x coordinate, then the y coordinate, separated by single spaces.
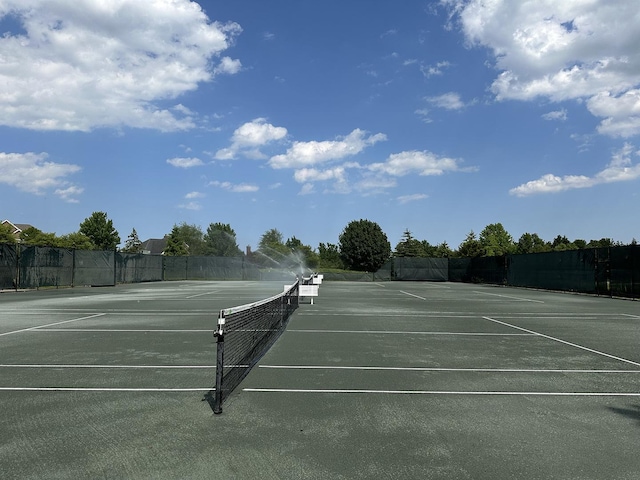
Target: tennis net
pixel 244 335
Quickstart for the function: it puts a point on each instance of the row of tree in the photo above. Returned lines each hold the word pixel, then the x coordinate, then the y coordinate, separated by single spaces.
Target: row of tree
pixel 361 246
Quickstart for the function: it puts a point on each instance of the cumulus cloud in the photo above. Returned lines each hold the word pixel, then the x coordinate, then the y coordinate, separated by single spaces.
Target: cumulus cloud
pixel 448 101
pixel 621 168
pixel 81 65
pixel 192 195
pixel 420 162
pixel 228 66
pixel 249 137
pixel 308 154
pixel 556 115
pixel 235 188
pixel 32 173
pixel 185 162
pixel 568 50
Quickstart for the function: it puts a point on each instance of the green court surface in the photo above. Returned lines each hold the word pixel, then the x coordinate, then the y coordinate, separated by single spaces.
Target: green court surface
pixel 372 380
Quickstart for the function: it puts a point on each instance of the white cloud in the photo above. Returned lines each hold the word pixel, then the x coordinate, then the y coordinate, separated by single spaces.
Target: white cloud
pixel 185 162
pixel 619 169
pixel 82 65
pixel 422 163
pixel 32 173
pixel 249 137
pixel 192 195
pixel 411 198
pixel 69 193
pixel 228 66
pixel 448 101
pixel 307 189
pixel 562 50
pixel 195 206
pixel 306 154
pixel 307 175
pixel 556 115
pixel 432 70
pixel 235 188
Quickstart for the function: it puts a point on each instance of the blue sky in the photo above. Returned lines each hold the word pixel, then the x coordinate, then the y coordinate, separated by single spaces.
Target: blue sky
pixel 440 117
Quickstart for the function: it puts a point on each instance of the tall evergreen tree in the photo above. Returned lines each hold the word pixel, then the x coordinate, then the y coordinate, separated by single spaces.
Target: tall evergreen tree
pixel 100 230
pixel 220 241
pixel 133 243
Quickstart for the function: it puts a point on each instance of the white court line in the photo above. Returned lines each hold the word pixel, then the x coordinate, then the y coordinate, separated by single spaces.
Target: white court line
pixel 49 365
pixel 564 341
pixel 402 332
pixel 441 392
pixel 120 330
pixel 98 389
pixel 412 295
pixel 509 296
pixel 629 315
pixel 202 294
pixel 441 369
pixel 52 324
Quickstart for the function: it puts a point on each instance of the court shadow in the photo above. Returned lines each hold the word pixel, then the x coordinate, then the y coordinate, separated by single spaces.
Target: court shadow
pixel 633 412
pixel 209 397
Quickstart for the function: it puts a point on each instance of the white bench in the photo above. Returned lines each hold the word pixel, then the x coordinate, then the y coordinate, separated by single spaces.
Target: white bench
pixel 305 291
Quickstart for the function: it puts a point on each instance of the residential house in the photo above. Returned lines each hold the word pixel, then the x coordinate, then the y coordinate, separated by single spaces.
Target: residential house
pixel 16 228
pixel 154 246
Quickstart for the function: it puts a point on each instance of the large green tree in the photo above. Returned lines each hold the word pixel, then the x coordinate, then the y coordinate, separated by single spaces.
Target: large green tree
pixel 470 247
pixel 6 235
pixel 496 241
pixel 220 241
pixel 410 247
pixel 36 237
pixel 99 228
pixel 75 240
pixel 364 246
pixel 301 255
pixel 531 243
pixel 272 251
pixel 176 246
pixel 185 239
pixel 329 256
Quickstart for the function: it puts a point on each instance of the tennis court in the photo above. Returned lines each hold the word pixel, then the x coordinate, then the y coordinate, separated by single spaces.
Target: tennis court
pixel 372 380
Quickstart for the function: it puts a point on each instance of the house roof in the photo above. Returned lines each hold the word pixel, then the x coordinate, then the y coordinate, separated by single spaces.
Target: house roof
pixel 154 246
pixel 16 228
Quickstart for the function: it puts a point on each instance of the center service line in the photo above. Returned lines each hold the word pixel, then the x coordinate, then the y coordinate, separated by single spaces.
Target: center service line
pixel 564 341
pixel 412 295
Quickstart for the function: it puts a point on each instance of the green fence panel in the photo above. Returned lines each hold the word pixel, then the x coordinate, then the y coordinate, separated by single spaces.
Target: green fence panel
pixel 8 266
pixel 459 269
pixel 137 268
pixel 571 270
pixel 421 269
pixel 94 268
pixel 175 268
pixel 624 271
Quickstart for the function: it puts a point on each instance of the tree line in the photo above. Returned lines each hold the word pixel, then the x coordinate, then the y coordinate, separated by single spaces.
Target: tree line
pixel 362 245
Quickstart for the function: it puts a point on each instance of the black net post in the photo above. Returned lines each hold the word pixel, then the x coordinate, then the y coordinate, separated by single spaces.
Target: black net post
pixel 219 334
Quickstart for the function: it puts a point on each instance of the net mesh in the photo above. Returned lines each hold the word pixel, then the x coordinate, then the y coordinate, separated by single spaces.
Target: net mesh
pixel 245 333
